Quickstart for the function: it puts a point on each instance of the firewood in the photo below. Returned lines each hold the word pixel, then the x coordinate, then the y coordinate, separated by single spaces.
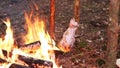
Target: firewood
pixel 35 62
pixel 29 61
pixel 6 53
pixel 18 66
pixel 30 47
pixel 68 38
pixel 2 61
pixel 14 65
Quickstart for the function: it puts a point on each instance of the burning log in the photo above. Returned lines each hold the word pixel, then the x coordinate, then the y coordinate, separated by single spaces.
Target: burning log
pixel 6 53
pixel 32 62
pixel 2 61
pixel 68 38
pixel 30 47
pixel 18 66
pixel 26 60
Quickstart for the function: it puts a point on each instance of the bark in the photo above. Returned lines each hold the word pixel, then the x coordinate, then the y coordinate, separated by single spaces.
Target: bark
pixel 31 47
pixel 112 33
pixel 18 66
pixel 35 62
pixel 77 10
pixel 52 18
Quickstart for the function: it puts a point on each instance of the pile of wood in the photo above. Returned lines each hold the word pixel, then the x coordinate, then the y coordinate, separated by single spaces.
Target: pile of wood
pixel 27 61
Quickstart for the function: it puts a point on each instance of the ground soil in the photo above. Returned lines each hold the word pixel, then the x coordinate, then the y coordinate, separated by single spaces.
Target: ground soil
pixel 90 46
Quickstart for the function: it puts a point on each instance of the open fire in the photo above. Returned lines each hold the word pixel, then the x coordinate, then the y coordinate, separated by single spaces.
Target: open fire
pixel 38 51
pixel 39 48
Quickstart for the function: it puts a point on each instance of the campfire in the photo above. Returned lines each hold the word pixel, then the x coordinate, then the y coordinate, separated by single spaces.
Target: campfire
pixel 39 48
pixel 38 51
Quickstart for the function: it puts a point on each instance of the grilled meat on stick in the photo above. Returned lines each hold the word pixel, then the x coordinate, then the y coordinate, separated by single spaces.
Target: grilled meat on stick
pixel 68 38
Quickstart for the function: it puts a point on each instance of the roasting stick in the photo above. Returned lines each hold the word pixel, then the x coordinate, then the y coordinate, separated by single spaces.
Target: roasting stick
pixel 52 19
pixel 77 10
pixel 68 39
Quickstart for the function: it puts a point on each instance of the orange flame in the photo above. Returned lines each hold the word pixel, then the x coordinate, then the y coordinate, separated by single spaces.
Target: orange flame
pixel 36 31
pixel 8 43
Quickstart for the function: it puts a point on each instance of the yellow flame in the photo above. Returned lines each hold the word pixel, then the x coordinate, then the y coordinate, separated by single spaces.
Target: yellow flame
pixel 36 31
pixel 8 42
pixel 5 65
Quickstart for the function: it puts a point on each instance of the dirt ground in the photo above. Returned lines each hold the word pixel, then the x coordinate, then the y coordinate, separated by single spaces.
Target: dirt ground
pixel 90 45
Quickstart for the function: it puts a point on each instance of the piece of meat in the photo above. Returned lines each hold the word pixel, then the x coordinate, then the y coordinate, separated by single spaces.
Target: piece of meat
pixel 68 38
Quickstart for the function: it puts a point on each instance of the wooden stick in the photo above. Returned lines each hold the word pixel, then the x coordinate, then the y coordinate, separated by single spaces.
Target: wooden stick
pixel 77 10
pixel 30 61
pixel 18 66
pixel 52 19
pixel 30 47
pixel 2 61
pixel 33 62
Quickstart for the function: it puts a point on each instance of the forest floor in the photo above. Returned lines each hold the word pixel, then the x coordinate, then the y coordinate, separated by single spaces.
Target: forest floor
pixel 90 45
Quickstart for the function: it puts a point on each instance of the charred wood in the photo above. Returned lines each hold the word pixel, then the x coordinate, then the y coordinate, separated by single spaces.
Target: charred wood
pixel 30 47
pixel 18 66
pixel 2 61
pixel 6 53
pixel 35 62
pixel 58 53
